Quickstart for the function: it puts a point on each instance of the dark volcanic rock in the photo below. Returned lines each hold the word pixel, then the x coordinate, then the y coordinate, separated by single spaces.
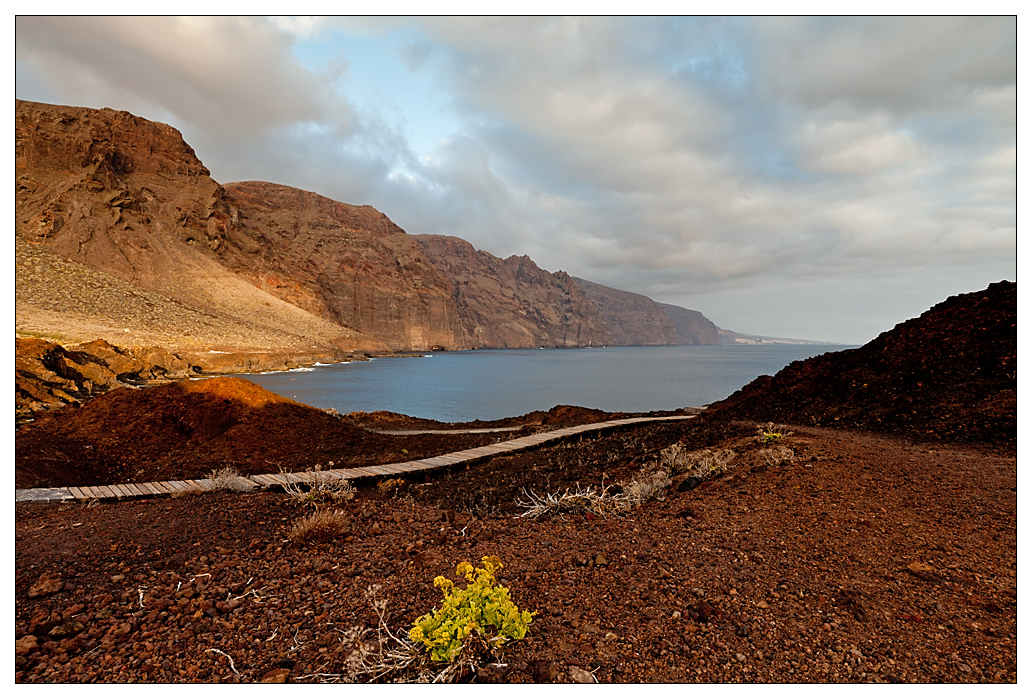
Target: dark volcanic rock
pixel 136 435
pixel 950 374
pixel 632 319
pixel 513 302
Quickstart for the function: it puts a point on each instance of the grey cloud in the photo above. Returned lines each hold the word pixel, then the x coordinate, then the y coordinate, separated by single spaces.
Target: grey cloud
pixel 230 78
pixel 706 161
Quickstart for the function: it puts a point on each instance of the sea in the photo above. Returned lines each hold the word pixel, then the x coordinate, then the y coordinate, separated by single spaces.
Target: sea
pixel 493 384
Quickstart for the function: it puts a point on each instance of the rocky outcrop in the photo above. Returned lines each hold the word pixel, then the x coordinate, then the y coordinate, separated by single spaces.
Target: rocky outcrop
pixel 512 302
pixel 347 264
pixel 691 327
pixel 50 376
pixel 632 319
pixel 950 374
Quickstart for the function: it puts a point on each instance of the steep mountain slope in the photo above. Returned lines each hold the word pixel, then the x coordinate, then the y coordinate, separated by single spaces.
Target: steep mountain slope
pixel 949 374
pixel 129 201
pixel 513 302
pixel 632 319
pixel 691 327
pixel 122 234
pixel 128 198
pixel 351 265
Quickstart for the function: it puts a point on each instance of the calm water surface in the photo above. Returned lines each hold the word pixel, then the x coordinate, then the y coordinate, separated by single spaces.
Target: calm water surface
pixel 492 384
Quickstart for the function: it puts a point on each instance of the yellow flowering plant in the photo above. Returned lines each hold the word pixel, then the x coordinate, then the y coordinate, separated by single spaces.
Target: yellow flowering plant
pixel 482 607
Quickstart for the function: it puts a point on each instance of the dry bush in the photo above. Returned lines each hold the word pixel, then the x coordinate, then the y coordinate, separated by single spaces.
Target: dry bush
pixel 705 463
pixel 391 486
pixel 319 488
pixel 319 527
pixel 771 433
pixel 777 456
pixel 229 479
pixel 701 464
pixel 673 458
pixel 646 486
pixel 389 656
pixel 580 501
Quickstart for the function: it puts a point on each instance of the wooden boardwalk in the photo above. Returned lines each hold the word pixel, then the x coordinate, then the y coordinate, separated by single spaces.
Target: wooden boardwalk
pixel 127 491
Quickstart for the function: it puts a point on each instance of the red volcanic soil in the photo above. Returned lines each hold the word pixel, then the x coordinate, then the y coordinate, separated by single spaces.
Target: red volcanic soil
pixel 185 430
pixel 882 554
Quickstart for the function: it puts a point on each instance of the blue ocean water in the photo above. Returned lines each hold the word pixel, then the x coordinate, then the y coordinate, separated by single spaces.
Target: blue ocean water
pixel 492 384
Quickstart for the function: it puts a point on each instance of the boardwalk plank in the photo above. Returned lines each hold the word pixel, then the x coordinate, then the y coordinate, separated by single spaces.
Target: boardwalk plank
pixel 135 490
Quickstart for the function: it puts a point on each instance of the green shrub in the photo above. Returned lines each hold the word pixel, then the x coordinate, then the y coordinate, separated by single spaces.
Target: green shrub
pixel 771 433
pixel 482 607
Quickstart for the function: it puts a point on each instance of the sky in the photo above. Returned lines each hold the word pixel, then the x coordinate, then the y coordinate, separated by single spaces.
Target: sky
pixel 815 178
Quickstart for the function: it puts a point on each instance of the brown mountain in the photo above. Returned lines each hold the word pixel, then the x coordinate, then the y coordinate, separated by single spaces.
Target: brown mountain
pixel 691 327
pixel 632 319
pixel 949 374
pixel 118 224
pixel 513 302
pixel 122 234
pixel 348 264
pixel 272 266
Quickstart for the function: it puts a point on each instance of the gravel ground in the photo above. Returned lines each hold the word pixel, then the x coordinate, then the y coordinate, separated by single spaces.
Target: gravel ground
pixel 865 559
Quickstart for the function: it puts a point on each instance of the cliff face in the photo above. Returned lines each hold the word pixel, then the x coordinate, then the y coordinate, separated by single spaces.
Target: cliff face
pixel 513 303
pixel 129 199
pixel 691 327
pixel 632 319
pixel 348 264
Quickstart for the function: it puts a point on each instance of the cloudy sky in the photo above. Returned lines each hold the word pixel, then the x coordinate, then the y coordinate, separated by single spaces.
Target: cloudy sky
pixel 812 178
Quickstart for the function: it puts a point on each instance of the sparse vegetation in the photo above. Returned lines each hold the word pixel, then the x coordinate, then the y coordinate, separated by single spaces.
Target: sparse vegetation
pixel 582 500
pixel 481 614
pixel 319 527
pixel 229 479
pixel 319 488
pixel 777 456
pixel 771 433
pixel 646 486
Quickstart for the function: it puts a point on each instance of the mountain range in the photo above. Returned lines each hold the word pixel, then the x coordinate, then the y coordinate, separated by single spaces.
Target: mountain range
pixel 122 234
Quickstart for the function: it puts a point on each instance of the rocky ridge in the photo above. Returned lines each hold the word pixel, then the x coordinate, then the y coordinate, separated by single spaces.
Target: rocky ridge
pixel 632 319
pixel 512 302
pixel 146 243
pixel 107 196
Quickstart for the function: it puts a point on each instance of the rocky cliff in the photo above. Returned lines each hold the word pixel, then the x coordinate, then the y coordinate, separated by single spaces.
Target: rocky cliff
pixel 691 327
pixel 513 302
pixel 348 264
pixel 632 319
pixel 122 234
pixel 128 200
